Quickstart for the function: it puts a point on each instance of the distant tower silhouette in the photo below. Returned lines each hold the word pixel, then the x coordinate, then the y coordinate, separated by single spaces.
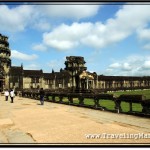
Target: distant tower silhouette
pixel 53 71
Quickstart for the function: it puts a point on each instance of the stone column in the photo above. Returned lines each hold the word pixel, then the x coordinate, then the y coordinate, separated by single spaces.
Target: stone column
pixel 87 84
pixel 63 83
pixel 97 81
pixel 74 84
pixel 6 82
pixel 93 84
pixel 54 81
pixel 42 85
pixel 79 83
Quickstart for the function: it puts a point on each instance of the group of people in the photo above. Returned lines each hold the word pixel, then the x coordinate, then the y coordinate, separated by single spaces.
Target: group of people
pixel 9 93
pixel 12 95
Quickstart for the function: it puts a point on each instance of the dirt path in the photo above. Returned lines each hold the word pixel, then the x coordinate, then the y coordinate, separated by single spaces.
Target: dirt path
pixel 26 121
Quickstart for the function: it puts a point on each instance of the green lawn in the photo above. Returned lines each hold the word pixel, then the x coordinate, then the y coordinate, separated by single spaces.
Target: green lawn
pixel 135 106
pixel 138 92
pixel 56 98
pixel 65 99
pixel 50 98
pixel 75 101
pixel 109 104
pixel 88 101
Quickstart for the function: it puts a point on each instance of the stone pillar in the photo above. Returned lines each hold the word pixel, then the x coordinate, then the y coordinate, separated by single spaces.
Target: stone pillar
pixel 54 82
pixel 97 81
pixel 42 85
pixel 63 83
pixel 79 83
pixel 87 84
pixel 6 82
pixel 74 84
pixel 130 106
pixel 93 84
pixel 104 84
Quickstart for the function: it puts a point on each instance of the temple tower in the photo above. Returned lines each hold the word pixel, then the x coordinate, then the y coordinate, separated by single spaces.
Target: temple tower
pixel 5 62
pixel 74 65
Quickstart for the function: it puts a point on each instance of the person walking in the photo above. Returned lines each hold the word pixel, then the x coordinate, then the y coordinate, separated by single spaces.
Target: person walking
pixel 42 93
pixel 6 94
pixel 12 95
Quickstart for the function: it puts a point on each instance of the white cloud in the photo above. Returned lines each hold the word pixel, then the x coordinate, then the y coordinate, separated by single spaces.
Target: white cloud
pixel 114 65
pixel 96 35
pixel 66 37
pixel 69 11
pixel 18 55
pixel 146 64
pixel 15 19
pixel 146 46
pixel 91 34
pixel 131 18
pixel 126 66
pixel 39 47
pixel 18 18
pixel 127 20
pixel 144 34
pixel 42 25
pixel 134 65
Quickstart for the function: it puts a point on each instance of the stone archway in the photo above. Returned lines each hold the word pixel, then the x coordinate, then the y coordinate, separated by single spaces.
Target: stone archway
pixel 86 80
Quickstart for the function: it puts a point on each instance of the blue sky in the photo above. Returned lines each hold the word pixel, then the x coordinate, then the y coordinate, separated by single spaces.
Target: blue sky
pixel 113 39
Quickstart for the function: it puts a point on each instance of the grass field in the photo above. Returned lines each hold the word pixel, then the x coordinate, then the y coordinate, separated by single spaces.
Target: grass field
pixel 138 92
pixel 110 105
pixel 125 106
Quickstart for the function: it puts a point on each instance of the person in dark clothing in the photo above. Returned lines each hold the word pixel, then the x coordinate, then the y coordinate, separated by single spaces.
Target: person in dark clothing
pixel 42 93
pixel 12 95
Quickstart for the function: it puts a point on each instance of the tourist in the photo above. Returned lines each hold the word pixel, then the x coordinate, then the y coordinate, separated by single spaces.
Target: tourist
pixel 12 95
pixel 42 93
pixel 6 94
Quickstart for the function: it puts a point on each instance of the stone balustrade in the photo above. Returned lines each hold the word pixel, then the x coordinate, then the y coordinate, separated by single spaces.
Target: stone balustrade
pixel 69 98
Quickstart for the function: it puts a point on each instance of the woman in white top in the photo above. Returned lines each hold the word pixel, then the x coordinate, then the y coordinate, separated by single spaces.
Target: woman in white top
pixel 12 95
pixel 6 94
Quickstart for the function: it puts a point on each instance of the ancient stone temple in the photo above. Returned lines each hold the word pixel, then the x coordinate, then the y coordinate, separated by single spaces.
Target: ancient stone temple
pixel 74 77
pixel 5 62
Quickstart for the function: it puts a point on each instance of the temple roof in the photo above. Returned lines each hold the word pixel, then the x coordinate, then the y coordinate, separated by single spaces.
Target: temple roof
pixel 58 75
pixel 63 74
pixel 46 75
pixel 33 73
pixel 121 78
pixel 75 59
pixel 15 70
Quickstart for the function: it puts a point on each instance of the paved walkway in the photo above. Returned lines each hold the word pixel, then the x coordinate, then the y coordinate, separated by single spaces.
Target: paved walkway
pixel 26 121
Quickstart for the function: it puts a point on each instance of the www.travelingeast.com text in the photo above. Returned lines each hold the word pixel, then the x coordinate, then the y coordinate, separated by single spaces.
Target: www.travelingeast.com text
pixel 118 136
